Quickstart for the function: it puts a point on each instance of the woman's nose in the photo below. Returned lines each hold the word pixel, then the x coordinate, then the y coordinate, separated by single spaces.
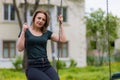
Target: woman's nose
pixel 40 20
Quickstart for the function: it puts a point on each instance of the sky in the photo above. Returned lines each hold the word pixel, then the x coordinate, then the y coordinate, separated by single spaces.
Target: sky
pixel 114 6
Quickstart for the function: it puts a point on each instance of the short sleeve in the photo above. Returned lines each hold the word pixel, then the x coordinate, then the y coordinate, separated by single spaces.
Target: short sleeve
pixel 49 34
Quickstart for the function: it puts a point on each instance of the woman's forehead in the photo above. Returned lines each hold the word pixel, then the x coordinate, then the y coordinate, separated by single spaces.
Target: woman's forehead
pixel 41 15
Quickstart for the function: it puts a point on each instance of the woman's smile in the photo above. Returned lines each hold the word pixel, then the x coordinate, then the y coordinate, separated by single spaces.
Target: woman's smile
pixel 40 23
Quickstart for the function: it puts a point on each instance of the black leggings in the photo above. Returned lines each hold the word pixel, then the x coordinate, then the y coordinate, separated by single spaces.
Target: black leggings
pixel 36 74
pixel 44 72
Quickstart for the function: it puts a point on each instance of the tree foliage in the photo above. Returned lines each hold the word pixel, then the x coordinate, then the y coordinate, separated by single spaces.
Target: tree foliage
pixel 101 30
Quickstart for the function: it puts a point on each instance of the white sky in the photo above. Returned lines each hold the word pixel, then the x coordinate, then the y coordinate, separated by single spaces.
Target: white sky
pixel 114 6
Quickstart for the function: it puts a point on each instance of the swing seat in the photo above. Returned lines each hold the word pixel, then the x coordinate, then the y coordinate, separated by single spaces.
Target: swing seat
pixel 115 76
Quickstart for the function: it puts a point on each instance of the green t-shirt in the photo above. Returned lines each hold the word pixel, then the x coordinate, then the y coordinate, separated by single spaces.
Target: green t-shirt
pixel 36 45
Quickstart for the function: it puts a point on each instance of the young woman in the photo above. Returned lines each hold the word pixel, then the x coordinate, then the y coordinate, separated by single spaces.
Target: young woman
pixel 34 40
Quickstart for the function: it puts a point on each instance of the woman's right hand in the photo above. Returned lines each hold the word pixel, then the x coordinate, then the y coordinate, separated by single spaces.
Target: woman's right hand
pixel 25 27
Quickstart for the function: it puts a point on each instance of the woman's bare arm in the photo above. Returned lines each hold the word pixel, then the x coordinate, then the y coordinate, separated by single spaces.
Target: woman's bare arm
pixel 61 36
pixel 21 39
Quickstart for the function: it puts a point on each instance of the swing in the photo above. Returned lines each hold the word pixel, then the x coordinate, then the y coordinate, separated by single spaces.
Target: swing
pixel 60 12
pixel 115 75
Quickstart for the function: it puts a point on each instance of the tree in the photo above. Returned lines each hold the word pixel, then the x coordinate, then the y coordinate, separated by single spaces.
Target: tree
pixel 36 4
pixel 98 29
pixel 18 15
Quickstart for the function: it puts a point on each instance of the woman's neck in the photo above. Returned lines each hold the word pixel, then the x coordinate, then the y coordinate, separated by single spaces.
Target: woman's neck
pixel 35 28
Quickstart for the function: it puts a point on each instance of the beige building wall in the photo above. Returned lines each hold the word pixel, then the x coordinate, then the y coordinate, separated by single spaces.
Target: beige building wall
pixel 8 32
pixel 75 29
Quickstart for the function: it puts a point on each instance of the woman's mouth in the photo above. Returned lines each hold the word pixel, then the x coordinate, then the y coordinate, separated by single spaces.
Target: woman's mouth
pixel 39 23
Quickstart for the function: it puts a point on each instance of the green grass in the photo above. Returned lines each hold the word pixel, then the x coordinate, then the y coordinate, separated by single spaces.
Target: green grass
pixel 11 74
pixel 86 73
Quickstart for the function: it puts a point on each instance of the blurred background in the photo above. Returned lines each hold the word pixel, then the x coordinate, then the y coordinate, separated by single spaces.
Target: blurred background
pixel 92 30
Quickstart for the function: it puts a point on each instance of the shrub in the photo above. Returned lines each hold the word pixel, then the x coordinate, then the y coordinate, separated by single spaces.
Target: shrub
pixel 60 64
pixel 117 57
pixel 73 63
pixel 90 60
pixel 18 63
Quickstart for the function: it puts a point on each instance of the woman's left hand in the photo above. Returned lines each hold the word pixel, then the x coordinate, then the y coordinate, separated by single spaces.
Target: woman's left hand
pixel 60 18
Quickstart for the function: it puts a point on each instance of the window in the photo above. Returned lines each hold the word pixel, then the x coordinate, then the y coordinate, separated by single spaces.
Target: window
pixel 63 50
pixel 9 49
pixel 9 12
pixel 93 44
pixel 64 13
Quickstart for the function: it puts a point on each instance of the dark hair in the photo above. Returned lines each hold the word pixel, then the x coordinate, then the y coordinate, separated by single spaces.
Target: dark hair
pixel 44 28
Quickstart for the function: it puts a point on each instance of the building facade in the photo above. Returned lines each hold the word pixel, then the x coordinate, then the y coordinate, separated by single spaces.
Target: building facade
pixel 73 12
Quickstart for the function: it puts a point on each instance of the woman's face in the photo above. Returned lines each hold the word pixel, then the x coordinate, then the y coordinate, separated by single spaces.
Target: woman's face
pixel 40 20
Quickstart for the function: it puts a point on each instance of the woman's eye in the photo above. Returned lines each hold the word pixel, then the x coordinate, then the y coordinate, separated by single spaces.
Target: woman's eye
pixel 43 19
pixel 39 17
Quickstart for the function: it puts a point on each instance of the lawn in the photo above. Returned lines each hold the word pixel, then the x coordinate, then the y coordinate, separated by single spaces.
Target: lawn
pixel 85 73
